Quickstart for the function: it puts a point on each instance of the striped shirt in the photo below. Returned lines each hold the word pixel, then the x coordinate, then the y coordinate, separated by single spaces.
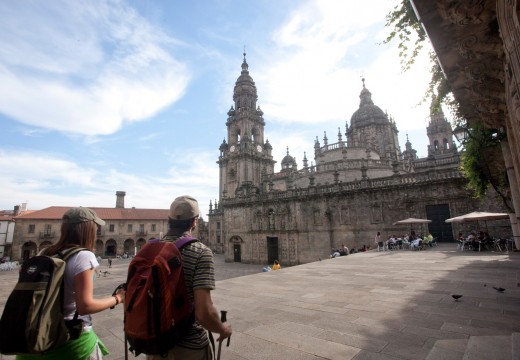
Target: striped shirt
pixel 199 273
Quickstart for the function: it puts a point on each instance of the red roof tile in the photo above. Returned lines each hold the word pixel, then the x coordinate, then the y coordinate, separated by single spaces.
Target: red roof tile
pixel 56 213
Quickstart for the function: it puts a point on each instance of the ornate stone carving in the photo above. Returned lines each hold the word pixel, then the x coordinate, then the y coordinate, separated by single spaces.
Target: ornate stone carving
pixel 462 12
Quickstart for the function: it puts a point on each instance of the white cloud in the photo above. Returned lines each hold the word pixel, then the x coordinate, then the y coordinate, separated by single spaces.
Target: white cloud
pixel 313 73
pixel 84 67
pixel 51 180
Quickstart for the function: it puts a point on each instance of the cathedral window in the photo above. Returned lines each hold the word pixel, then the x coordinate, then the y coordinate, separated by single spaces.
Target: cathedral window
pixel 270 219
pixel 436 145
pixel 446 144
pixel 317 217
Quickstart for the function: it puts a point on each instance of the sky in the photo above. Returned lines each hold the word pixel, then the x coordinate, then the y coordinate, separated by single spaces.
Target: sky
pixel 132 95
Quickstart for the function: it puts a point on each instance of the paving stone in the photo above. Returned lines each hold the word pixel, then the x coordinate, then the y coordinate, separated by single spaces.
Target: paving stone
pixel 378 312
pixel 489 347
pixel 515 349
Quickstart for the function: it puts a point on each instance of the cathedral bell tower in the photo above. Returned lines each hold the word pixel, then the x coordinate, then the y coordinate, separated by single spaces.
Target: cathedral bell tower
pixel 439 132
pixel 245 156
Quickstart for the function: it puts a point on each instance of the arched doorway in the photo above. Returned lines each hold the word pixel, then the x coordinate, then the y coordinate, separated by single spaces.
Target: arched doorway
pixel 111 248
pixel 129 247
pixel 28 250
pixel 236 242
pixel 99 247
pixel 44 244
pixel 139 244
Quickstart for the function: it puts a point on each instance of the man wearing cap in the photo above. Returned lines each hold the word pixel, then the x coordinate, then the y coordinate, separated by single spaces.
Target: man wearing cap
pixel 199 275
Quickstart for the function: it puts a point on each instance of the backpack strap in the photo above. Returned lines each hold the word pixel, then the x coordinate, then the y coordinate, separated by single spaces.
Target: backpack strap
pixel 183 241
pixel 65 255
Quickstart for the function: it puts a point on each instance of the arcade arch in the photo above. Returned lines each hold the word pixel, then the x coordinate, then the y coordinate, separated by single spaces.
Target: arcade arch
pixel 129 247
pixel 44 244
pixel 28 250
pixel 139 244
pixel 99 248
pixel 111 248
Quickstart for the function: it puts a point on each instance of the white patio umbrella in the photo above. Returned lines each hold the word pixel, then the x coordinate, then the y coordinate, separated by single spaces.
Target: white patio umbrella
pixel 412 221
pixel 478 216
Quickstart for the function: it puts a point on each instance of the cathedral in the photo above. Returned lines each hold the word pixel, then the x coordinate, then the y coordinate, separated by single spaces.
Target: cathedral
pixel 356 185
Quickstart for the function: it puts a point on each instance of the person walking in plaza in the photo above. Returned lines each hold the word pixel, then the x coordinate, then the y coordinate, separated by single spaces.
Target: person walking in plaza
pixel 379 242
pixel 78 229
pixel 199 274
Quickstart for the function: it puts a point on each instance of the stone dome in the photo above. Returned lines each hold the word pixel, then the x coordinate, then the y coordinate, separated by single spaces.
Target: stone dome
pixel 368 113
pixel 288 162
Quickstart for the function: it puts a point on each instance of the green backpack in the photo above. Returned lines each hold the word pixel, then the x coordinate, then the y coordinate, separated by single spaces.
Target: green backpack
pixel 32 321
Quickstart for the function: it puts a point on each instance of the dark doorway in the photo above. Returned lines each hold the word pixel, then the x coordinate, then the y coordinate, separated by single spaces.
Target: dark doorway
pixel 111 250
pixel 272 249
pixel 28 250
pixel 439 228
pixel 237 253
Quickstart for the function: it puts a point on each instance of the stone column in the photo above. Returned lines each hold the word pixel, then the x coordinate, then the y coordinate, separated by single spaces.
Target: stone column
pixel 515 194
pixel 510 34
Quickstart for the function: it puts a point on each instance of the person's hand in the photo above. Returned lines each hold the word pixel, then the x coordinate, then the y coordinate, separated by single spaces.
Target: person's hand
pixel 121 294
pixel 226 333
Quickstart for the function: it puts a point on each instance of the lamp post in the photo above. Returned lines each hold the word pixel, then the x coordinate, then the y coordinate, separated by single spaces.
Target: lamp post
pixel 461 134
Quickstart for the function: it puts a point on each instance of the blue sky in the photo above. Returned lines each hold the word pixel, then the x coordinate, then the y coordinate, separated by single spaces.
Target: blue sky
pixel 102 96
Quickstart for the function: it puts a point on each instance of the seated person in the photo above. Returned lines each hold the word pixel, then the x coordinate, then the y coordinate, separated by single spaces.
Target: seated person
pixel 473 240
pixel 390 243
pixel 487 241
pixel 345 249
pixel 276 265
pixel 335 253
pixel 416 244
pixel 427 240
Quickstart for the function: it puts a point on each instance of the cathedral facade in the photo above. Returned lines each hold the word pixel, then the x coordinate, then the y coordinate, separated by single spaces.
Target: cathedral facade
pixel 355 186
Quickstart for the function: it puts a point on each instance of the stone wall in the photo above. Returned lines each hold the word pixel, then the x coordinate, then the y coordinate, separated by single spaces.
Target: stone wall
pixel 309 222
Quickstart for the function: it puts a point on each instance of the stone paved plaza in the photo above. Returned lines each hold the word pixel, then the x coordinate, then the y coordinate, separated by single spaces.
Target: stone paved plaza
pixel 373 305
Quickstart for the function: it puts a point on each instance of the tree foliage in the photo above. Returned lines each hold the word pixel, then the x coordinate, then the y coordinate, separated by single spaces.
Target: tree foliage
pixel 408 29
pixel 483 164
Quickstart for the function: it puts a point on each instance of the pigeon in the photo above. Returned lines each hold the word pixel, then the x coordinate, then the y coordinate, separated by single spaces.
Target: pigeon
pixel 499 289
pixel 456 297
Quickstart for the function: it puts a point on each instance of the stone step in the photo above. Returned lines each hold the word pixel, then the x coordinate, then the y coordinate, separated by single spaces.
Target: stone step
pixel 515 339
pixel 489 347
pixel 449 349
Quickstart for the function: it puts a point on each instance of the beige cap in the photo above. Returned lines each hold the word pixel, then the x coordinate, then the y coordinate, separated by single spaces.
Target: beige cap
pixel 184 208
pixel 81 214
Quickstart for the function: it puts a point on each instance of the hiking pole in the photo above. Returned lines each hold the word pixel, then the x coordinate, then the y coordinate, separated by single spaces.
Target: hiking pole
pixel 223 314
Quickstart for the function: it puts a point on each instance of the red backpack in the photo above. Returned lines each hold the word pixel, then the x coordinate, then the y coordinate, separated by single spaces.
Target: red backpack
pixel 157 306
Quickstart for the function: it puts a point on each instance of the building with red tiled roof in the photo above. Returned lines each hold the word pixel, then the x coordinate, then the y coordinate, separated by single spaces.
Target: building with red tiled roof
pixel 125 231
pixel 7 228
